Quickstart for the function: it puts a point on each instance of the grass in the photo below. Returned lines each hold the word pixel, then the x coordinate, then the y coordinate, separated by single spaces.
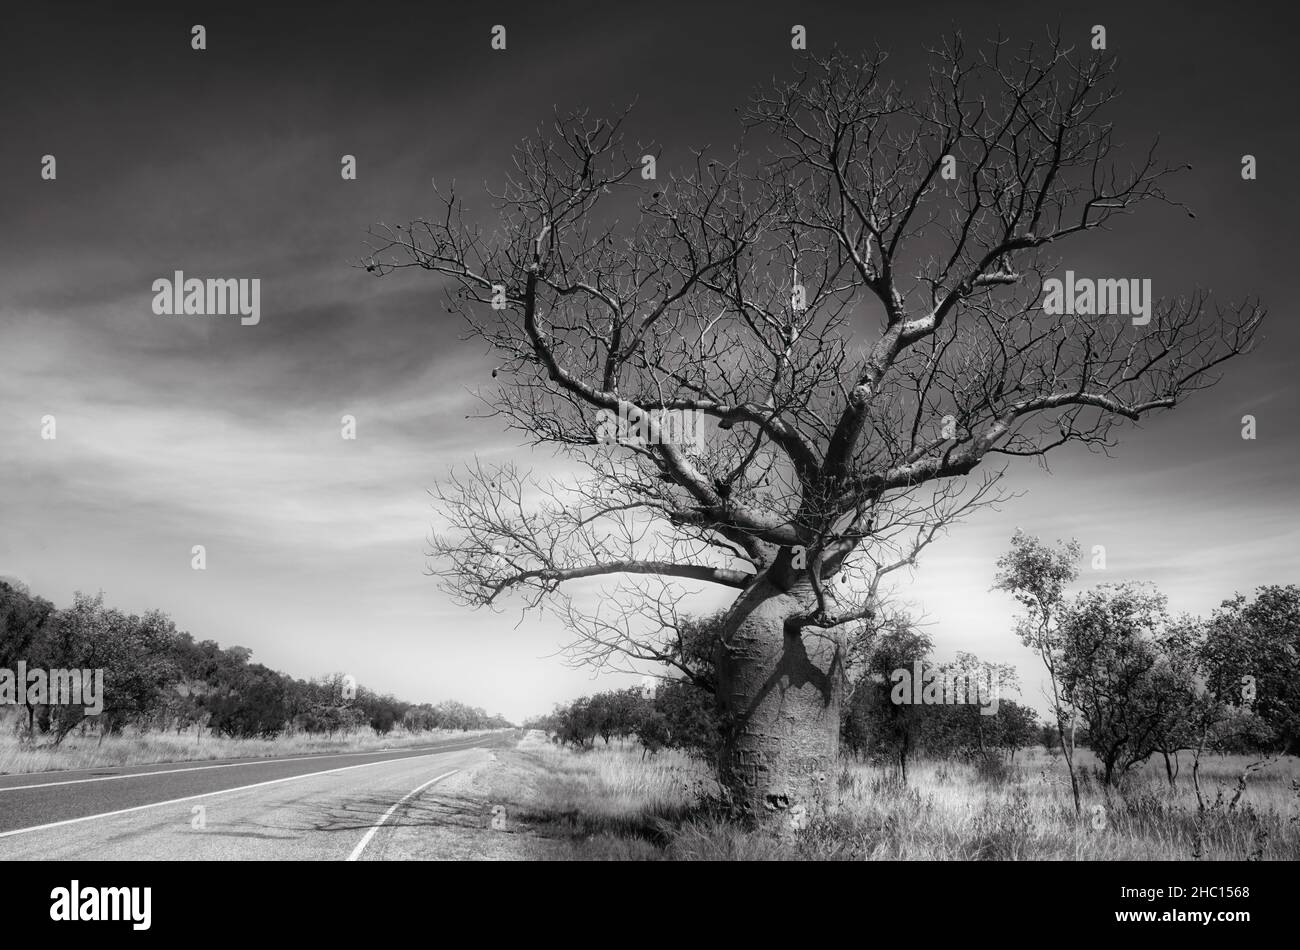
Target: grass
pixel 609 803
pixel 18 755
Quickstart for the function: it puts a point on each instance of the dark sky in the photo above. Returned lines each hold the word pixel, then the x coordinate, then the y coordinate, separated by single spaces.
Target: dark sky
pixel 225 162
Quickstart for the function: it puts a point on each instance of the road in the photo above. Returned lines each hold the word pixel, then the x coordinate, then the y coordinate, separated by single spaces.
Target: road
pixel 337 806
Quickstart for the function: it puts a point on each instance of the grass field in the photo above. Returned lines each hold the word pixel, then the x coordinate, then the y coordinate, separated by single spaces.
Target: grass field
pixel 610 803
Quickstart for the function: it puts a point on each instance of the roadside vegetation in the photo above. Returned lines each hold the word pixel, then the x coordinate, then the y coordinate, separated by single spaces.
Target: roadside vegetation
pixel 614 803
pixel 167 697
pixel 1164 737
pixel 130 747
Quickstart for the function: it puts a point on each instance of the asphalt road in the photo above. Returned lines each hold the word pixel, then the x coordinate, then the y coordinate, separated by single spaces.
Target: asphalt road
pixel 327 807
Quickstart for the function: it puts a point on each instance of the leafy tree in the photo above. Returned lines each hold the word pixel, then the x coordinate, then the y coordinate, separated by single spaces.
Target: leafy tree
pixel 1016 727
pixel 248 704
pixel 876 722
pixel 690 718
pixel 578 724
pixel 24 621
pixel 1037 575
pixel 617 712
pixel 1120 669
pixel 134 652
pixel 962 727
pixel 1252 659
pixel 1250 662
pixel 652 731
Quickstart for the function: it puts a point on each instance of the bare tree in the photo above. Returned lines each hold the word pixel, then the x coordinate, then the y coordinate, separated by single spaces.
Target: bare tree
pixel 858 333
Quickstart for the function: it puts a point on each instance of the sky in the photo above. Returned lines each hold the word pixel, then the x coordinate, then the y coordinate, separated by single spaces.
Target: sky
pixel 173 432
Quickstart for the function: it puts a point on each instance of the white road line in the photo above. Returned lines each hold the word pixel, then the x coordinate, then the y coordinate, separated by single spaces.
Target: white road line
pixel 361 845
pixel 190 798
pixel 227 765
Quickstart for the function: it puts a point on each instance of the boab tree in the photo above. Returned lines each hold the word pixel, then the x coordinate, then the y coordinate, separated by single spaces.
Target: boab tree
pixel 858 331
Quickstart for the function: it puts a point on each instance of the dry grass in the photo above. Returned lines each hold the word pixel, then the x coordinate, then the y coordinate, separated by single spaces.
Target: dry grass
pixel 84 752
pixel 607 803
pixel 610 804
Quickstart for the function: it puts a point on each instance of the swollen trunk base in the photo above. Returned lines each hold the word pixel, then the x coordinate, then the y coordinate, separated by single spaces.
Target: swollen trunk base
pixel 780 695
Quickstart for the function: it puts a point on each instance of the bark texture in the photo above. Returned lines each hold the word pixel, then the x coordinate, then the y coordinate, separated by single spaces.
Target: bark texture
pixel 780 692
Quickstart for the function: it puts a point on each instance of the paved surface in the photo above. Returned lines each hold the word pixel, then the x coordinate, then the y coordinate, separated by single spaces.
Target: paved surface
pixel 325 807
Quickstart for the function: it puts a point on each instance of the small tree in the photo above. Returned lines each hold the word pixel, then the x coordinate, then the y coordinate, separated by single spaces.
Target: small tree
pixel 1253 660
pixel 690 718
pixel 578 724
pixel 24 625
pixel 1017 726
pixel 135 653
pixel 1120 668
pixel 964 726
pixel 889 729
pixel 1250 660
pixel 1037 575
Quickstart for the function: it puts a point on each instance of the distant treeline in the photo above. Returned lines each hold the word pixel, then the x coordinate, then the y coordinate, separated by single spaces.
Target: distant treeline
pixel 159 678
pixel 680 713
pixel 1129 681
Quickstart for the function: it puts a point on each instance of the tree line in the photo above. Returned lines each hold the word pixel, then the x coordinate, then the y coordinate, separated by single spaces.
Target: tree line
pixel 1143 682
pixel 159 678
pixel 681 711
pixel 1124 679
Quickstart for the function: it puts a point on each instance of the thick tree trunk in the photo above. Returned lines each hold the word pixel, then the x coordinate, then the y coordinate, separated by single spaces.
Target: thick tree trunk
pixel 780 694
